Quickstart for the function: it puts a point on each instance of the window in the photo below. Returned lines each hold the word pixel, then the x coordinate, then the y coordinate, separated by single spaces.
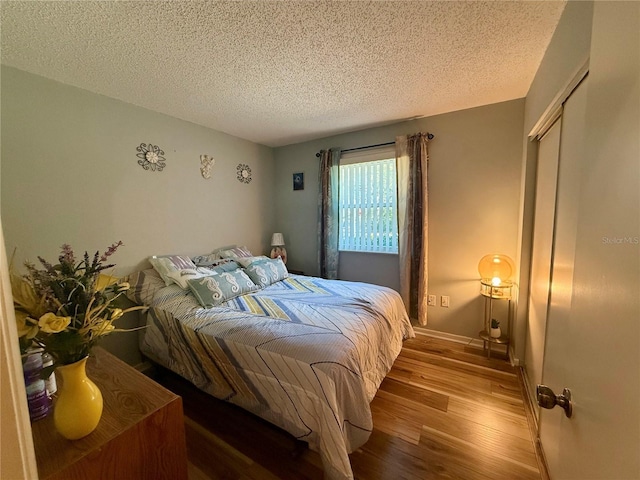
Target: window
pixel 368 212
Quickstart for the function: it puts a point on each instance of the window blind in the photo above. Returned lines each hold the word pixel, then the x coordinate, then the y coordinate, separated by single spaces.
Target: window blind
pixel 368 212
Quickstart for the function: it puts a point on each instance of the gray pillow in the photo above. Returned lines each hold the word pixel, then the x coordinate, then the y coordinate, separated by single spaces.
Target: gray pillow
pixel 143 285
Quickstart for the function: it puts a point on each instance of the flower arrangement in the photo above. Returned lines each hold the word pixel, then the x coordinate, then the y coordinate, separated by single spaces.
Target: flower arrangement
pixel 66 308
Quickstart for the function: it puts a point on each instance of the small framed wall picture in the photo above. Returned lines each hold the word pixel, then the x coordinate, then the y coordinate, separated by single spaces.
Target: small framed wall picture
pixel 298 181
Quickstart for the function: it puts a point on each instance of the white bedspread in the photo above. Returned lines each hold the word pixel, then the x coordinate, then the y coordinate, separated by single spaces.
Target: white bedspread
pixel 306 354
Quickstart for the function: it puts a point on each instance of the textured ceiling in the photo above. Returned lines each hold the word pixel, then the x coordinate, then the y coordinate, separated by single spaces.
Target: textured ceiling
pixel 282 72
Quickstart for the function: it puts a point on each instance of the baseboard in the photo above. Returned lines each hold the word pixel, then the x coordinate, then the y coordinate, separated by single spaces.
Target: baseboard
pixel 528 392
pixel 532 420
pixel 452 337
pixel 472 342
pixel 515 361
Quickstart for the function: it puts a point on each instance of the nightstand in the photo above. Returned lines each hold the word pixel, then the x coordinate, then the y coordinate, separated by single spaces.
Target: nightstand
pixel 295 272
pixel 491 293
pixel 140 435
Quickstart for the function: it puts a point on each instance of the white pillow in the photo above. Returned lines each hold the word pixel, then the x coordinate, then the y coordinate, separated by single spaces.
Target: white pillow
pixel 169 264
pixel 181 277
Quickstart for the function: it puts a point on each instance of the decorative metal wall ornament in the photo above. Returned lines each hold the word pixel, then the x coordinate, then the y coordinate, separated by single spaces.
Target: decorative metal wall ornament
pixel 151 157
pixel 206 164
pixel 244 173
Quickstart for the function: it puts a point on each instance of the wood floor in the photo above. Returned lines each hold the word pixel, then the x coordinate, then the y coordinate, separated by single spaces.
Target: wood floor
pixel 444 411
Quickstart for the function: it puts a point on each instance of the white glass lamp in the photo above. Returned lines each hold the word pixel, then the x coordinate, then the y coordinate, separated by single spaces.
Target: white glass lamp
pixel 277 247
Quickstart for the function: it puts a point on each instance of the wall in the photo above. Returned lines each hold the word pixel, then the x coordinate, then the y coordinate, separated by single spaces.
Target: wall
pixel 567 51
pixel 565 55
pixel 474 182
pixel 70 175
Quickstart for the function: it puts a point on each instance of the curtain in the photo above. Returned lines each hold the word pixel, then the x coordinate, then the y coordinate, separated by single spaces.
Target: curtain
pixel 328 254
pixel 412 161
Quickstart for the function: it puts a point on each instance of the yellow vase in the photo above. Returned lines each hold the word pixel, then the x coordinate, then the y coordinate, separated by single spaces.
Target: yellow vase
pixel 78 409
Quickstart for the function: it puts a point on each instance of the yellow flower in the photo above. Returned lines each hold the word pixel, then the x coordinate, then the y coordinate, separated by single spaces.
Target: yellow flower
pixel 25 296
pixel 116 314
pixel 103 328
pixel 24 329
pixel 51 323
pixel 103 281
pixel 123 287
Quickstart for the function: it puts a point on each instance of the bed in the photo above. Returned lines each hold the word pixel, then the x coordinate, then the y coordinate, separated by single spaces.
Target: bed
pixel 303 353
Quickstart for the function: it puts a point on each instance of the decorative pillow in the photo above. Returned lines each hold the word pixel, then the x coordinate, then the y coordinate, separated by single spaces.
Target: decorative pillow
pixel 215 289
pixel 228 265
pixel 180 277
pixel 224 267
pixel 206 260
pixel 267 271
pixel 211 262
pixel 235 252
pixel 226 247
pixel 246 261
pixel 171 263
pixel 143 286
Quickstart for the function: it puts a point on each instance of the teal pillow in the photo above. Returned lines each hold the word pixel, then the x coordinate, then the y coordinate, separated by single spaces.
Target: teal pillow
pixel 213 290
pixel 267 271
pixel 227 266
pixel 246 261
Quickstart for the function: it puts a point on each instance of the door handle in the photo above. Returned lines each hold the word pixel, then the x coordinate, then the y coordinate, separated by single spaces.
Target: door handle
pixel 548 399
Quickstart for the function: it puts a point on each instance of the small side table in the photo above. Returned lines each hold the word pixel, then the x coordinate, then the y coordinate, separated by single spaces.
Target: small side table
pixel 492 293
pixel 140 435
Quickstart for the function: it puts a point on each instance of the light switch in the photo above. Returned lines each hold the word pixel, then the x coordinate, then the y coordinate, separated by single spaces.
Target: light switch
pixel 431 300
pixel 444 301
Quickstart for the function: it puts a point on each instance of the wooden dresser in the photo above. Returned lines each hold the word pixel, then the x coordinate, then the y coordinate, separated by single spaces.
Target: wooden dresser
pixel 140 435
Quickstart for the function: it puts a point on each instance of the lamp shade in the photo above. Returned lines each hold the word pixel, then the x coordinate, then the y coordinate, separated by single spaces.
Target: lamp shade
pixel 496 267
pixel 277 240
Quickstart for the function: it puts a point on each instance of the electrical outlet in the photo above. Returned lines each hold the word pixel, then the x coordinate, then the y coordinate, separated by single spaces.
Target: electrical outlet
pixel 444 301
pixel 431 300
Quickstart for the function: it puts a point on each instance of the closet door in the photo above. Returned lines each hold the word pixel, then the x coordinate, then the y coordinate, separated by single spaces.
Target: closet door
pixel 592 328
pixel 558 362
pixel 541 254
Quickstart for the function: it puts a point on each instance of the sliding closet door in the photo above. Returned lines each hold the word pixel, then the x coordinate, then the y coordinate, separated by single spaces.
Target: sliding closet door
pixel 559 364
pixel 541 254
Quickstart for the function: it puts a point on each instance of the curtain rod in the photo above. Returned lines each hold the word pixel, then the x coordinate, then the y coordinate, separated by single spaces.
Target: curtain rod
pixel 430 136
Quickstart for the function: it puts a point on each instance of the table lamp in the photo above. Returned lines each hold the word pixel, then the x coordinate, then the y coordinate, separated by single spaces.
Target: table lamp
pixel 277 247
pixel 495 272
